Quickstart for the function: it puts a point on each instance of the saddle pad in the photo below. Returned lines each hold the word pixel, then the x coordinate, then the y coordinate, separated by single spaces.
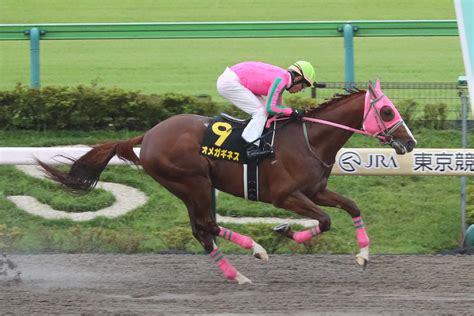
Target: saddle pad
pixel 223 140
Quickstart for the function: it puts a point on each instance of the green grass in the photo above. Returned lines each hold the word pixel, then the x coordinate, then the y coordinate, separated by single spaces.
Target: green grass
pixel 403 214
pixel 70 11
pixel 55 138
pixel 136 231
pixel 51 194
pixel 192 66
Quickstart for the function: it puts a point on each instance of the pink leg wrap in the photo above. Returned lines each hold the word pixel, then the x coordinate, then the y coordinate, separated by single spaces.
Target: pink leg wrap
pixel 229 271
pixel 241 240
pixel 362 237
pixel 305 235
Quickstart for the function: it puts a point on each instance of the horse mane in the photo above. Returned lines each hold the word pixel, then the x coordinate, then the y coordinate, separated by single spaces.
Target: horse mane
pixel 336 98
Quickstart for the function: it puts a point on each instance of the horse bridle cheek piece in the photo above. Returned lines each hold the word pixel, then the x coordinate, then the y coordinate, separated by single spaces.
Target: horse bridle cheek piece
pixel 386 137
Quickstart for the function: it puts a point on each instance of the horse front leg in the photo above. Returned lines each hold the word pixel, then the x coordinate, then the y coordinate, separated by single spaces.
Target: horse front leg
pixel 243 241
pixel 333 199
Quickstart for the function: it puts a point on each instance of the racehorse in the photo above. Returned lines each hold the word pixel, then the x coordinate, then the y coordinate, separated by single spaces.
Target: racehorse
pixel 295 178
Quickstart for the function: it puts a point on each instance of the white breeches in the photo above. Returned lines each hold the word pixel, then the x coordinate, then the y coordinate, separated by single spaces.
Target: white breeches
pixel 228 86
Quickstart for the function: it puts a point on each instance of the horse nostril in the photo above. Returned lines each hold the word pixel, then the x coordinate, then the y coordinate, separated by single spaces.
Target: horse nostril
pixel 411 144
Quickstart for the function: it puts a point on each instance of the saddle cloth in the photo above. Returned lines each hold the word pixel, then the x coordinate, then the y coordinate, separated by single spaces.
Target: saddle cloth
pixel 223 139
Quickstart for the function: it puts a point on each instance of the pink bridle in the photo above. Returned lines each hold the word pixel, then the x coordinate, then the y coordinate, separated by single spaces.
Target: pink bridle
pixel 372 124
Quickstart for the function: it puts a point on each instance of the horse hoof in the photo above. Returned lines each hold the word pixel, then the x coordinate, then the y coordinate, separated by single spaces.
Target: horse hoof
pixel 242 279
pixel 281 229
pixel 363 257
pixel 259 252
pixel 261 256
pixel 362 261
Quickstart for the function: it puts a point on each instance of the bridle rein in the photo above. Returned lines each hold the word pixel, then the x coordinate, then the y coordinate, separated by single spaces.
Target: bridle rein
pixel 382 133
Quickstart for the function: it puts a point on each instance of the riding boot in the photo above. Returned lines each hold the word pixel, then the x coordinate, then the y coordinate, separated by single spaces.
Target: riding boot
pixel 254 152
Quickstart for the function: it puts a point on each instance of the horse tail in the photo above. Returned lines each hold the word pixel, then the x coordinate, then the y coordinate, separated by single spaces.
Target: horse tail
pixel 85 171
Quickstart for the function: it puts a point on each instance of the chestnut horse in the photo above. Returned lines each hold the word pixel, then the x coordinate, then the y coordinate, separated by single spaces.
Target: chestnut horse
pixel 294 179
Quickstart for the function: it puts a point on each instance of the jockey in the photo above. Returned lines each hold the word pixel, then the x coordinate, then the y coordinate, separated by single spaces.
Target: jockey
pixel 256 88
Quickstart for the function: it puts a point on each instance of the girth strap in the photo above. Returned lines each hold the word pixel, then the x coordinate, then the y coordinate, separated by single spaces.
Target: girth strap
pixel 251 181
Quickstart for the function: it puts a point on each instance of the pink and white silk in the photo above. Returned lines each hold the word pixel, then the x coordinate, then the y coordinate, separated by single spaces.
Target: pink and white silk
pixel 374 101
pixel 265 80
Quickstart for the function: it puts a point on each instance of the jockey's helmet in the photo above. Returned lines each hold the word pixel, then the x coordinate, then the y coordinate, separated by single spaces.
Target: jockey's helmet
pixel 304 69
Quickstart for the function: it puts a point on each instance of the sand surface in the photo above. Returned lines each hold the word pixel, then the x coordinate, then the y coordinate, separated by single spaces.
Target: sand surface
pixel 91 284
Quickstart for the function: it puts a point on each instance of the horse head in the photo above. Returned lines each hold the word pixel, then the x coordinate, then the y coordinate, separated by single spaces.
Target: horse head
pixel 382 120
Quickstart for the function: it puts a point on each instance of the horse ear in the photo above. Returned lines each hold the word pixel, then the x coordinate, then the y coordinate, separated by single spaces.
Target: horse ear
pixel 372 90
pixel 377 85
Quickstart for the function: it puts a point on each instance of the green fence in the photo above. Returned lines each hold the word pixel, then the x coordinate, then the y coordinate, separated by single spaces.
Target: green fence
pixel 345 29
pixel 446 96
pixel 229 30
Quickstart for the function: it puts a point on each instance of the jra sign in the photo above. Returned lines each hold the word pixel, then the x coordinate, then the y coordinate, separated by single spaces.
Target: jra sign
pixel 373 161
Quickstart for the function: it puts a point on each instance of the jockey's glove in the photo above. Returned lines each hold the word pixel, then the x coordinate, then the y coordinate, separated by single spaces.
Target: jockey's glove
pixel 296 114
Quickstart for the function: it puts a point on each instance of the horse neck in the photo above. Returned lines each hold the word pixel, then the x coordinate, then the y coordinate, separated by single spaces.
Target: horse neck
pixel 327 140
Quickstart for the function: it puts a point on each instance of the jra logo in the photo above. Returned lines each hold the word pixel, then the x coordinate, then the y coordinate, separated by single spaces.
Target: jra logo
pixel 351 161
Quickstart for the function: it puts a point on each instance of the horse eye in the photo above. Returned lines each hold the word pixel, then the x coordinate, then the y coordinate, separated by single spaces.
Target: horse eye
pixel 386 113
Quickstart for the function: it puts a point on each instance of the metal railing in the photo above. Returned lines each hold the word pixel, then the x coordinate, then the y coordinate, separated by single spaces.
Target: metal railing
pixel 422 93
pixel 195 30
pixel 184 30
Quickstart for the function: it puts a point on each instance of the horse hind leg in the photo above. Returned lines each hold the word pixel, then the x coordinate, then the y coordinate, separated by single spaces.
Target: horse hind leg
pixel 302 205
pixel 299 236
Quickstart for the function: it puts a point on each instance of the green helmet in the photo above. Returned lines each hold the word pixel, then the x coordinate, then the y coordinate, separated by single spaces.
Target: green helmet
pixel 304 69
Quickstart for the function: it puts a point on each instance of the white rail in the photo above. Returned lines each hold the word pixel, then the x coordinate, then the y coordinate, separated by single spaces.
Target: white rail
pixel 349 161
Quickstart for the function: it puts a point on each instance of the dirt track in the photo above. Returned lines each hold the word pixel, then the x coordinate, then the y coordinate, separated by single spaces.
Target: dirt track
pixel 286 285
